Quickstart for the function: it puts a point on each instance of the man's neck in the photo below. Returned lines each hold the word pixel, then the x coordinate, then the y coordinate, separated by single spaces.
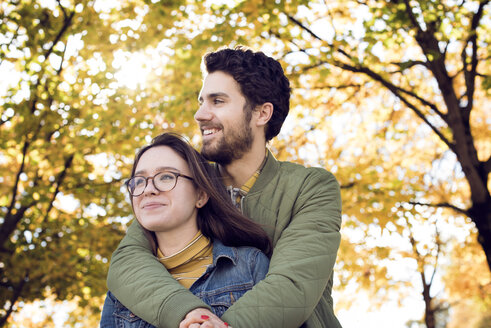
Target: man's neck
pixel 239 171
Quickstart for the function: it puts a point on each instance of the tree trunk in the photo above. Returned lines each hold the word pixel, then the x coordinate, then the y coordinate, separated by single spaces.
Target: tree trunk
pixel 17 290
pixel 429 311
pixel 480 213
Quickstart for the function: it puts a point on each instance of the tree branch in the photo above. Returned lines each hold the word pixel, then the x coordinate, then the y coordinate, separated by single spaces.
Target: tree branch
pixel 423 101
pixel 315 36
pixel 17 291
pixel 62 8
pixel 312 66
pixel 411 16
pixel 347 186
pixel 392 87
pixel 445 205
pixel 59 182
pixel 339 87
pixel 487 165
pixel 59 69
pixel 305 28
pixel 397 92
pixel 11 219
pixel 470 74
pixel 3 122
pixel 408 64
pixel 66 23
pixel 17 177
pixel 9 225
pixel 438 250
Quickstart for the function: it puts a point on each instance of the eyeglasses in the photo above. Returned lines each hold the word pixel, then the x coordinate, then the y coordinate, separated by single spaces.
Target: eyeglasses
pixel 162 181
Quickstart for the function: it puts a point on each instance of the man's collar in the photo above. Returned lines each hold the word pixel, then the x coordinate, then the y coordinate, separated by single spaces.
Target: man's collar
pixel 248 184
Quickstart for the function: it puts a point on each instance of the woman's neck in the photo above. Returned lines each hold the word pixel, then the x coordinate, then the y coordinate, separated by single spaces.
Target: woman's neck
pixel 171 242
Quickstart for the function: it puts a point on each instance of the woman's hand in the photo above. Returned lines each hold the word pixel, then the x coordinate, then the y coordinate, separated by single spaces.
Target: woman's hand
pixel 202 318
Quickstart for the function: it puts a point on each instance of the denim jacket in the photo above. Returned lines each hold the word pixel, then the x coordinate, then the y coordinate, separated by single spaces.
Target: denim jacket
pixel 233 272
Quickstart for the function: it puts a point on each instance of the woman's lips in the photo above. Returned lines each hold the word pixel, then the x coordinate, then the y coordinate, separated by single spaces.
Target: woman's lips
pixel 152 205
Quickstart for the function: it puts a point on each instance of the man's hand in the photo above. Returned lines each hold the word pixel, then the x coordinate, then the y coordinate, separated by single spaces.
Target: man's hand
pixel 202 318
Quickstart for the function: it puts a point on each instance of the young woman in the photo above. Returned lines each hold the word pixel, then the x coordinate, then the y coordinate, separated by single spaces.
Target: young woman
pixel 196 232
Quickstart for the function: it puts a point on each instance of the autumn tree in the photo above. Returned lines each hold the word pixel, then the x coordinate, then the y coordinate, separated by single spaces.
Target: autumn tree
pixel 415 70
pixel 68 132
pixel 432 58
pixel 402 42
pixel 386 94
pixel 389 95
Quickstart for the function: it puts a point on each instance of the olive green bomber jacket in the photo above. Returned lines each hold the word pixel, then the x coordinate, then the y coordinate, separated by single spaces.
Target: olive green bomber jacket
pixel 300 208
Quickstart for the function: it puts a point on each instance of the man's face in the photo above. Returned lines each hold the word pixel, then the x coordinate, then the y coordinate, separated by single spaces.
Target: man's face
pixel 223 119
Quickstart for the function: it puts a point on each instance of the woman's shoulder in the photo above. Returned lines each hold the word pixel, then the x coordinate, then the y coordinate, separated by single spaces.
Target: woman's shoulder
pixel 237 253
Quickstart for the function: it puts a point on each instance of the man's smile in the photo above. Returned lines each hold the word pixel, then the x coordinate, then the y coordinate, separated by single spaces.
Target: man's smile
pixel 207 132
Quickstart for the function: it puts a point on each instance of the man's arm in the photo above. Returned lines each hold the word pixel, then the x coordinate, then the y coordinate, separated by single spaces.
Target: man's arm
pixel 302 261
pixel 143 285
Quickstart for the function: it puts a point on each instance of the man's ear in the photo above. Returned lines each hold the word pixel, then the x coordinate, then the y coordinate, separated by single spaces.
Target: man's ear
pixel 263 113
pixel 202 199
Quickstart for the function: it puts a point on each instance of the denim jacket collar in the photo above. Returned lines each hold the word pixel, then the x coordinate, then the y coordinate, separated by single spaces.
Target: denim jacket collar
pixel 220 250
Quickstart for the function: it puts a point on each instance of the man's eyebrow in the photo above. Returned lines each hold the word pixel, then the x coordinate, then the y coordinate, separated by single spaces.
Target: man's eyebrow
pixel 159 169
pixel 214 95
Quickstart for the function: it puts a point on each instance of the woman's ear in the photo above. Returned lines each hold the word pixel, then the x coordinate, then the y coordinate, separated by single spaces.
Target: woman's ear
pixel 202 199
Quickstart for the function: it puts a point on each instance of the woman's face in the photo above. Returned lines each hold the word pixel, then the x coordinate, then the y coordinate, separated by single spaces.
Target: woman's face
pixel 167 211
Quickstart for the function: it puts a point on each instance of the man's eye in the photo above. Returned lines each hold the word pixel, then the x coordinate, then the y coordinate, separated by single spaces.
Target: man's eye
pixel 218 101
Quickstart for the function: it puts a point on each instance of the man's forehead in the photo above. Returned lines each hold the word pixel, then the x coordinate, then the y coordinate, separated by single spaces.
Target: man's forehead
pixel 219 84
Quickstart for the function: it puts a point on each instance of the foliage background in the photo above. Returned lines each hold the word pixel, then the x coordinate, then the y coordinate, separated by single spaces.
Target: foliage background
pixel 85 83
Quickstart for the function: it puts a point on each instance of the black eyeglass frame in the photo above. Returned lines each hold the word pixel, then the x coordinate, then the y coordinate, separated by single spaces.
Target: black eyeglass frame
pixel 176 174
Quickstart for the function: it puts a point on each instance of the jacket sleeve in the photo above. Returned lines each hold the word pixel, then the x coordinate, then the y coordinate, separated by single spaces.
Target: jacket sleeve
pixel 143 285
pixel 302 261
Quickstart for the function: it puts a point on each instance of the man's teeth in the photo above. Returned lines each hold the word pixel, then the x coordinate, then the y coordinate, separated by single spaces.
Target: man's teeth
pixel 209 131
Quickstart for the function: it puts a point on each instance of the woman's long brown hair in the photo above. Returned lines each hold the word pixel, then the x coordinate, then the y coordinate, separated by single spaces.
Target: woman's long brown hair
pixel 218 218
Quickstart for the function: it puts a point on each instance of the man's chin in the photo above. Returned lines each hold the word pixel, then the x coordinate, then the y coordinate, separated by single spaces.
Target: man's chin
pixel 208 152
pixel 216 156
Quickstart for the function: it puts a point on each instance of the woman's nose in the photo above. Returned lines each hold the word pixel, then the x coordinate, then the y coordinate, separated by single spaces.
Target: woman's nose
pixel 150 188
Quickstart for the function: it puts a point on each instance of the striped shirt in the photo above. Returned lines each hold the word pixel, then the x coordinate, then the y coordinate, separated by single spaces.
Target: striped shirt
pixel 237 194
pixel 190 263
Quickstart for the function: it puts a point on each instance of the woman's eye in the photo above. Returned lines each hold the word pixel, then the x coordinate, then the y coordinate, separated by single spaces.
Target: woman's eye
pixel 139 182
pixel 218 101
pixel 166 177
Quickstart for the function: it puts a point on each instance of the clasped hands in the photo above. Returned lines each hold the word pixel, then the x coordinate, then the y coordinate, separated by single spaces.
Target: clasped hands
pixel 202 318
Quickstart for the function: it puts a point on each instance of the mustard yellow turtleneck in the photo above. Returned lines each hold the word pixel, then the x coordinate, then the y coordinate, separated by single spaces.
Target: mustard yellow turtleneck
pixel 187 265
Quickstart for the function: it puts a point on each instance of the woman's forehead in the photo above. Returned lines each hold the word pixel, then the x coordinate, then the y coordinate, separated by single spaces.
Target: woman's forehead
pixel 160 157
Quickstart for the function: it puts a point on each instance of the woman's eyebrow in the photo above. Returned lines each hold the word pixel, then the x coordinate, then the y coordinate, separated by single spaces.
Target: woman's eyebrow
pixel 159 169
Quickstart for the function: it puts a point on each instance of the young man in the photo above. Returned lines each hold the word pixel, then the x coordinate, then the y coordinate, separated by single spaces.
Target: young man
pixel 243 104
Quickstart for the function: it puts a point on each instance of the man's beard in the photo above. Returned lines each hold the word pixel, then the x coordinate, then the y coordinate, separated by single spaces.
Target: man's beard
pixel 231 146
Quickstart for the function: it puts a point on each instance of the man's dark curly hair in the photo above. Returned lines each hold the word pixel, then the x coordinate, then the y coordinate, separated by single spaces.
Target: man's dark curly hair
pixel 261 79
